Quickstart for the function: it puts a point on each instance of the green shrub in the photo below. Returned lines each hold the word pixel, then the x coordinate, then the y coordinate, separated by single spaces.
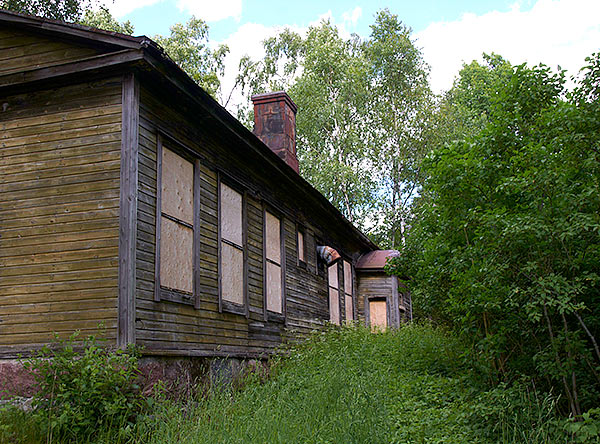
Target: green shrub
pixel 84 388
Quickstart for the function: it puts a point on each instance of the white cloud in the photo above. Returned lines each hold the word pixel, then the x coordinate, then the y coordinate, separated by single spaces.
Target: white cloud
pixel 554 32
pixel 350 18
pixel 211 10
pixel 120 8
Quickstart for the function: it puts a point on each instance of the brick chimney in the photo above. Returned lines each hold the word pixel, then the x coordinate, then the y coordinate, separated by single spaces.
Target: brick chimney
pixel 275 124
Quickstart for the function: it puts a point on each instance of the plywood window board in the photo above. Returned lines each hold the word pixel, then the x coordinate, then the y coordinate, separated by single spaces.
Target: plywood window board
pixel 348 291
pixel 333 276
pixel 274 290
pixel 334 306
pixel 232 274
pixel 176 222
pixel 231 226
pixel 300 240
pixel 231 215
pixel 273 261
pixel 378 314
pixel 177 188
pixel 273 238
pixel 334 294
pixel 349 308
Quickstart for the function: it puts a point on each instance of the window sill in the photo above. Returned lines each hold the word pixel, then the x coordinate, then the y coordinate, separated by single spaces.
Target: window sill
pixel 275 317
pixel 169 295
pixel 232 307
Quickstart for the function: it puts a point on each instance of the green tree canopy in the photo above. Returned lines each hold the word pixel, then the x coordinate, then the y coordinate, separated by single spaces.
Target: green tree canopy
pixel 65 10
pixel 363 106
pixel 103 19
pixel 188 46
pixel 505 242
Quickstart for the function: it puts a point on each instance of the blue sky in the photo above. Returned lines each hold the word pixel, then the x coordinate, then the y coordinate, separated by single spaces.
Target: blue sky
pixel 449 33
pixel 156 18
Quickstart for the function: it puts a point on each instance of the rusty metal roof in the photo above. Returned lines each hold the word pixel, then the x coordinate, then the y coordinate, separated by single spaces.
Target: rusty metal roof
pixel 375 260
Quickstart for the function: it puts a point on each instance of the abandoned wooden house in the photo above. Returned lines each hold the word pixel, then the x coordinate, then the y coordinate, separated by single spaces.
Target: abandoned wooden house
pixel 130 197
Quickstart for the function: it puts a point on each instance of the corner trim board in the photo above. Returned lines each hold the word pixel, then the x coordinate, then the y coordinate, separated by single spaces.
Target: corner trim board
pixel 159 144
pixel 128 200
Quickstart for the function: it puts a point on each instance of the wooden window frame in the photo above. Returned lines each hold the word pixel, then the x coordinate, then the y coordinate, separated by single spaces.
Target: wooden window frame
pixel 270 315
pixel 329 287
pixel 320 265
pixel 228 306
pixel 353 294
pixel 301 263
pixel 166 294
pixel 370 299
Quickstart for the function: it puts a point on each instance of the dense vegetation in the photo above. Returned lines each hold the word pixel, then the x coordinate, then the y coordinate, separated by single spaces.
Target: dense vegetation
pixel 504 242
pixel 414 385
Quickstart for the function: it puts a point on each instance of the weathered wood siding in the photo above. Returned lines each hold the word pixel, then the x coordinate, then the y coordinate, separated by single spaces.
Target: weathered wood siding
pixel 372 285
pixel 168 327
pixel 21 51
pixel 59 208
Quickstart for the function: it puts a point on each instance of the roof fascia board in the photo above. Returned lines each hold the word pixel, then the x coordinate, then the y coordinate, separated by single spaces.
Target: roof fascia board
pixel 86 65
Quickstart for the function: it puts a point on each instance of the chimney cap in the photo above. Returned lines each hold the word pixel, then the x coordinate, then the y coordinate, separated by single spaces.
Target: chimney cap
pixel 274 97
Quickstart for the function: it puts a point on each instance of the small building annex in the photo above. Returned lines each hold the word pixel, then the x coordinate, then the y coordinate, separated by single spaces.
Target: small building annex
pixel 130 197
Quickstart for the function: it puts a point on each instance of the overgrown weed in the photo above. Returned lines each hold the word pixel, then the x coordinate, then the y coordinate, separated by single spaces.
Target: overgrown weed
pixel 349 385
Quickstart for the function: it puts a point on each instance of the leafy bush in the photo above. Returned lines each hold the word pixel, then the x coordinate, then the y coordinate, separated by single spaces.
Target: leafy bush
pixel 84 387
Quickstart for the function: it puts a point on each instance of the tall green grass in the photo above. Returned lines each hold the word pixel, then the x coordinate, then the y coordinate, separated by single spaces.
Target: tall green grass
pixel 413 385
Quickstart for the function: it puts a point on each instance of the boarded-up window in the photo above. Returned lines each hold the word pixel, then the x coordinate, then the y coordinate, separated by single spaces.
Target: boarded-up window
pixel 301 247
pixel 348 291
pixel 334 294
pixel 177 223
pixel 378 314
pixel 273 261
pixel 232 245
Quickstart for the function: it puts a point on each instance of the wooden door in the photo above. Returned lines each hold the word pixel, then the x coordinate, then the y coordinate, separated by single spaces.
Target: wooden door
pixel 378 314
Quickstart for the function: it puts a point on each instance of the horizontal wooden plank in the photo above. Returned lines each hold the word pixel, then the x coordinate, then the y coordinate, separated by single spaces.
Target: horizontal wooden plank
pixel 29 169
pixel 63 256
pixel 76 181
pixel 18 313
pixel 44 282
pixel 88 208
pixel 58 149
pixel 39 142
pixel 59 232
pixel 63 297
pixel 101 189
pixel 49 58
pixel 15 227
pixel 18 334
pixel 58 267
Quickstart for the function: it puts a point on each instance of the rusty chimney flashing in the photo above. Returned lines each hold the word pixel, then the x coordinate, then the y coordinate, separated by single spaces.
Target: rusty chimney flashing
pixel 275 124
